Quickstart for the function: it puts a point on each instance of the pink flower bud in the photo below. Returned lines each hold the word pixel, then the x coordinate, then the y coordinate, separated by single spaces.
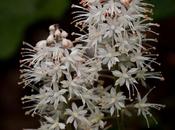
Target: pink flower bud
pixel 126 2
pixel 66 43
pixel 41 44
pixel 50 39
pixel 52 28
pixel 57 33
pixel 64 34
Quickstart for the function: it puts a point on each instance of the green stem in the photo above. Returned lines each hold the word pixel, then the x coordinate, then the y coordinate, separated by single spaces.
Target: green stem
pixel 118 123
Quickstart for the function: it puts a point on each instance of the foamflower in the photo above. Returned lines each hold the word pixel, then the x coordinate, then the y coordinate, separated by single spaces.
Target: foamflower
pixel 89 82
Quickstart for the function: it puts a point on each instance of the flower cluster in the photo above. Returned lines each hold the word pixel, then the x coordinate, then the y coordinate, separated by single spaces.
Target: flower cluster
pixel 79 83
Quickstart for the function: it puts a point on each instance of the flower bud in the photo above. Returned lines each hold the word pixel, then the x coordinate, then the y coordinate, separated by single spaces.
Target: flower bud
pixel 126 2
pixel 57 33
pixel 66 43
pixel 50 39
pixel 52 29
pixel 64 34
pixel 41 44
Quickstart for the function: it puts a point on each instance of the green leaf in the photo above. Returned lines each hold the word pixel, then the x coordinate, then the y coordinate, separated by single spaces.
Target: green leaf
pixel 16 15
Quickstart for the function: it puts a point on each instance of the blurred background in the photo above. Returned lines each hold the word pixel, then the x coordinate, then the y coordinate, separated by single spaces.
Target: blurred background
pixel 28 20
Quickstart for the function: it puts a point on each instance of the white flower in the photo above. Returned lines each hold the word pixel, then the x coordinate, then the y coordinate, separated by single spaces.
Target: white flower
pixel 109 55
pixel 70 59
pixel 96 121
pixel 54 124
pixel 125 77
pixel 113 101
pixel 144 74
pixel 113 7
pixel 128 44
pixel 112 29
pixel 88 71
pixel 46 96
pixel 95 36
pixel 33 55
pixel 47 71
pixel 91 16
pixel 58 97
pixel 95 14
pixel 144 107
pixel 76 115
pixel 75 86
pixel 143 61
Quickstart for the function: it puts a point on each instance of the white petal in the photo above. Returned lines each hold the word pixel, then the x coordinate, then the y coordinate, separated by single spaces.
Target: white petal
pixel 121 81
pixel 74 106
pixel 62 125
pixel 75 124
pixel 69 120
pixel 117 73
pixel 132 71
pixel 112 110
pixel 55 105
pixel 49 119
pixel 63 99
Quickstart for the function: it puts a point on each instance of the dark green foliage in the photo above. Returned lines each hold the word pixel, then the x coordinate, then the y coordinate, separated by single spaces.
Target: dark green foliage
pixel 16 15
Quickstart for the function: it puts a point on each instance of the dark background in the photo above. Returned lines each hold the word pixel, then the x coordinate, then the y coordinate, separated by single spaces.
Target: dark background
pixel 28 20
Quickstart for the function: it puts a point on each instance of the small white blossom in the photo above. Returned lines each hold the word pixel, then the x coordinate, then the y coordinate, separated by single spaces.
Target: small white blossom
pixel 70 59
pixel 47 96
pixel 143 61
pixel 113 101
pixel 144 107
pixel 109 56
pixel 54 124
pixel 88 71
pixel 75 86
pixel 113 7
pixel 96 121
pixel 95 35
pixel 125 77
pixel 76 115
pixel 113 30
pixel 144 74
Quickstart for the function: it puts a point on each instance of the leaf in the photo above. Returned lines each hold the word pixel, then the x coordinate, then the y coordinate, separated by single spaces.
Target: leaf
pixel 16 15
